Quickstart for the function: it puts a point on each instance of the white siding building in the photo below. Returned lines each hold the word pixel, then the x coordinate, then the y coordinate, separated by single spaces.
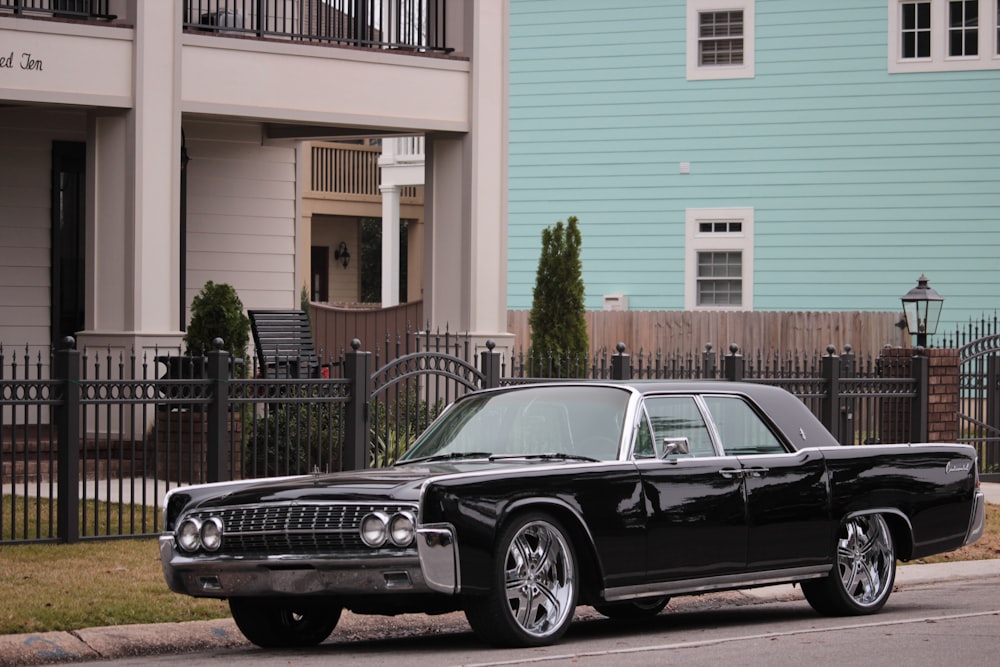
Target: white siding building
pixel 148 146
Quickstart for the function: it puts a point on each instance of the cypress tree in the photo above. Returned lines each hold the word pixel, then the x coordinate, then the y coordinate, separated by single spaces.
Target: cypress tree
pixel 559 345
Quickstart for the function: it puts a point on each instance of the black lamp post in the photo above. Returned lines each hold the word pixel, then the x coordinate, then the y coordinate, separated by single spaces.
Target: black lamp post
pixel 922 309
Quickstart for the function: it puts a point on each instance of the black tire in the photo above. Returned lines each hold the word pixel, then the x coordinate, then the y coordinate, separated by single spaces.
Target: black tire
pixel 284 622
pixel 864 570
pixel 534 585
pixel 633 609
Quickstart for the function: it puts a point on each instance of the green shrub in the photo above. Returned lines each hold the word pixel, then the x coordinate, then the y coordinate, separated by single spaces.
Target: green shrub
pixel 292 439
pixel 396 424
pixel 559 345
pixel 217 312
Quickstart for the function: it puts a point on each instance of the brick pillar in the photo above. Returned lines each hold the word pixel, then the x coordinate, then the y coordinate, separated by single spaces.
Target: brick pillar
pixel 942 403
pixel 942 395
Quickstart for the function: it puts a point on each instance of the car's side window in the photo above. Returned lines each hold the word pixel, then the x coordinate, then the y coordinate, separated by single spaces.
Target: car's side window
pixel 644 448
pixel 679 417
pixel 741 431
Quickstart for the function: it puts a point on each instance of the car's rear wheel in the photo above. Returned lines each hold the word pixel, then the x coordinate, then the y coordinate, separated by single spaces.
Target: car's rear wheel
pixel 633 609
pixel 284 622
pixel 534 585
pixel 864 570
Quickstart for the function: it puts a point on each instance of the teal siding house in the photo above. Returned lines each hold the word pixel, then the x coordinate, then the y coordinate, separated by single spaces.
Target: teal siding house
pixel 768 155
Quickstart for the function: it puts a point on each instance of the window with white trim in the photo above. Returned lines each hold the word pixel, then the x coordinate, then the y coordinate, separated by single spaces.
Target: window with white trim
pixel 718 259
pixel 720 39
pixel 943 35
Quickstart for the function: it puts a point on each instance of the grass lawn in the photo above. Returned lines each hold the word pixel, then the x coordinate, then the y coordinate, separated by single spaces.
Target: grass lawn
pixel 90 584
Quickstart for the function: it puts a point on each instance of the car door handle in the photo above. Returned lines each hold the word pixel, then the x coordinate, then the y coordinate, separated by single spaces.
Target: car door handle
pixel 755 472
pixel 730 473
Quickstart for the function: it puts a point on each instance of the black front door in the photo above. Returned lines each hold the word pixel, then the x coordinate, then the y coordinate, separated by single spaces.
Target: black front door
pixel 320 279
pixel 68 206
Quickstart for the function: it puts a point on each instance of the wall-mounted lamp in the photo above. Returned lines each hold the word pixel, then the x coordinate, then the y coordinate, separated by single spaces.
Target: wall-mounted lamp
pixel 342 255
pixel 922 309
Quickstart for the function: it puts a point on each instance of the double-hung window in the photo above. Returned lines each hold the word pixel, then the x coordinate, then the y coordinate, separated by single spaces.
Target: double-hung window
pixel 718 259
pixel 720 39
pixel 943 35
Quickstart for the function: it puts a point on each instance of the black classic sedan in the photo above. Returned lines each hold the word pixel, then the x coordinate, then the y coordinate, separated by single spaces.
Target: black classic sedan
pixel 518 504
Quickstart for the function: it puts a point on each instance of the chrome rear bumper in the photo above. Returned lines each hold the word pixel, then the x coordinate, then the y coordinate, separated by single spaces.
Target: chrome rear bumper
pixel 978 522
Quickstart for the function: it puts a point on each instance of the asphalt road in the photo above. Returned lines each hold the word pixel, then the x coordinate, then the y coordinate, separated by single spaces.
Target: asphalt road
pixel 926 623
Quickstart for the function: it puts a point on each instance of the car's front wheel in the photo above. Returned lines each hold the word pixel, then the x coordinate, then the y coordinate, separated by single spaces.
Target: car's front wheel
pixel 284 622
pixel 534 587
pixel 863 573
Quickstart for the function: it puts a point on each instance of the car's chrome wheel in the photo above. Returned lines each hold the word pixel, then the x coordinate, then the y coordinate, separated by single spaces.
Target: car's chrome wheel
pixel 863 573
pixel 284 622
pixel 535 586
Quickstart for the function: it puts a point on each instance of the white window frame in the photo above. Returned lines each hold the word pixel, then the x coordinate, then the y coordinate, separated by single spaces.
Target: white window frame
pixel 696 241
pixel 695 72
pixel 939 60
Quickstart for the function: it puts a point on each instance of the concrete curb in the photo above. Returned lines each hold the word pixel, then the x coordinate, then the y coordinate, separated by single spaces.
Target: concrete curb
pixel 117 641
pixel 137 640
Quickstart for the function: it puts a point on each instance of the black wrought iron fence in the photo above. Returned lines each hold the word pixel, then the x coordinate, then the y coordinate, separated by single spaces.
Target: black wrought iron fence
pixel 92 441
pixel 74 9
pixel 978 346
pixel 411 25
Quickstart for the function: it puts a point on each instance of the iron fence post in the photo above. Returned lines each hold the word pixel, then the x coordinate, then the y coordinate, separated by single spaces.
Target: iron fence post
pixel 830 405
pixel 732 364
pixel 490 366
pixel 67 418
pixel 709 365
pixel 921 402
pixel 621 368
pixel 848 369
pixel 218 410
pixel 357 370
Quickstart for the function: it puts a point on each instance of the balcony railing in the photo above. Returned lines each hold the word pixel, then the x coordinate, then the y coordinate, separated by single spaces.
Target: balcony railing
pixel 411 25
pixel 349 172
pixel 71 9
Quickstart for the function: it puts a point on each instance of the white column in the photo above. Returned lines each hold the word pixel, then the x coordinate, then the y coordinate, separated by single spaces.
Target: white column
pixel 157 136
pixel 390 245
pixel 134 209
pixel 466 195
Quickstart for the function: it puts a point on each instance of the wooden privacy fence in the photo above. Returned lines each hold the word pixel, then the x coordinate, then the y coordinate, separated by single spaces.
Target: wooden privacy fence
pixel 669 333
pixel 678 333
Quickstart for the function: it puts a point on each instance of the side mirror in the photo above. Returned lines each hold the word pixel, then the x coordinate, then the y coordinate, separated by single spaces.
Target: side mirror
pixel 675 446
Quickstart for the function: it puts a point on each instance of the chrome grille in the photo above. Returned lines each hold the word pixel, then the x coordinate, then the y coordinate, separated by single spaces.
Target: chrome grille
pixel 276 529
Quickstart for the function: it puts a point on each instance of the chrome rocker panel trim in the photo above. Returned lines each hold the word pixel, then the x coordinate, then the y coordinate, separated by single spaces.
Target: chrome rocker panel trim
pixel 720 583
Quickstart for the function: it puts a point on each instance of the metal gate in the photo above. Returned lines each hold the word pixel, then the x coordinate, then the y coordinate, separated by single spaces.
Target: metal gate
pixel 409 392
pixel 979 396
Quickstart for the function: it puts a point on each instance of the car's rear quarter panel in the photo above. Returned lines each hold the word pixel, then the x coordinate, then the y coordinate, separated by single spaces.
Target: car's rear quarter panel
pixel 933 485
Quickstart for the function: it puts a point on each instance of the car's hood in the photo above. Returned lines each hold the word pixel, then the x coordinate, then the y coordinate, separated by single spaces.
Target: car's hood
pixel 400 483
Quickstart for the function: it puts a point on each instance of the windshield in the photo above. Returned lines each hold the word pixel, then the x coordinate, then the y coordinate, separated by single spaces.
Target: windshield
pixel 564 421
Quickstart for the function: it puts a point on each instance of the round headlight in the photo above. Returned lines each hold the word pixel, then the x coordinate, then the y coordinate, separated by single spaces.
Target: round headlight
pixel 188 535
pixel 211 534
pixel 374 528
pixel 401 528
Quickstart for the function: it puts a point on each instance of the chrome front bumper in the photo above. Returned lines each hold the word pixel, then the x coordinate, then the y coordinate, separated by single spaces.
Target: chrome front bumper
pixel 433 569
